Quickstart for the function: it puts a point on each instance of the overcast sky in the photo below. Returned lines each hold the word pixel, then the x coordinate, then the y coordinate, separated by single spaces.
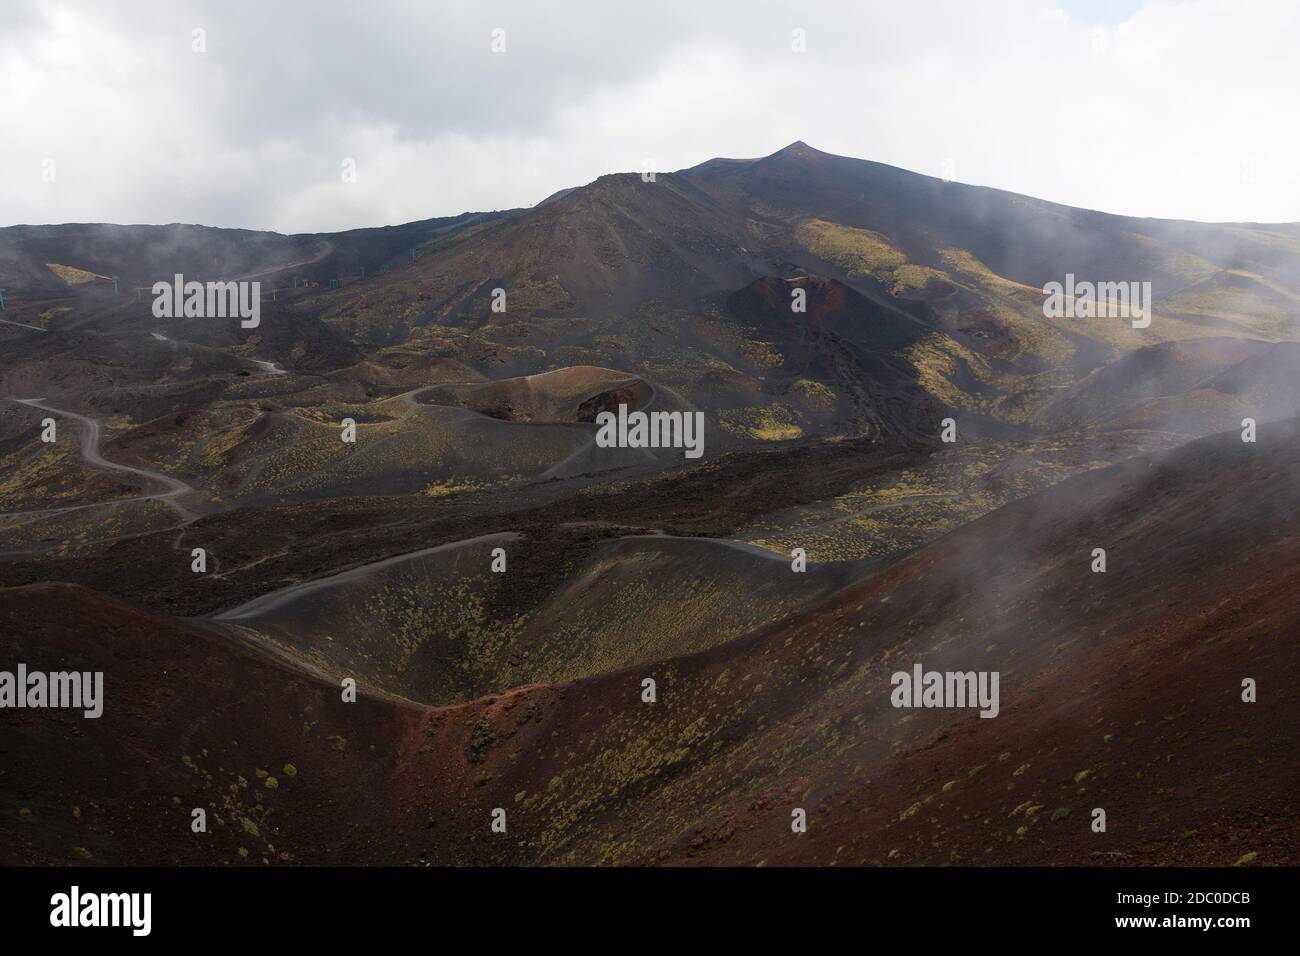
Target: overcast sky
pixel 1187 109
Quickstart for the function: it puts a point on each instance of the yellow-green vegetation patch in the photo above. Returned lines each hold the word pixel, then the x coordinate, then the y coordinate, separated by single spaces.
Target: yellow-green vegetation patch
pixel 72 275
pixel 460 486
pixel 911 276
pixel 856 251
pixel 1254 311
pixel 763 355
pixel 454 614
pixel 605 627
pixel 37 479
pixel 814 396
pixel 964 262
pixel 861 252
pixel 938 359
pixel 773 422
pixel 54 311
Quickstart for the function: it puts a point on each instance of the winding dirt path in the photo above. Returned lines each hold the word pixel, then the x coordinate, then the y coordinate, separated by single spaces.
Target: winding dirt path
pixel 24 325
pixel 320 256
pixel 90 434
pixel 270 368
pixel 276 599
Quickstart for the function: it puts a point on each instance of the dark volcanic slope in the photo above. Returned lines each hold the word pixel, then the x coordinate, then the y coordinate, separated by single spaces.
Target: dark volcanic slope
pixel 1119 690
pixel 847 340
pixel 438 627
pixel 141 255
pixel 472 372
pixel 121 788
pixel 1025 239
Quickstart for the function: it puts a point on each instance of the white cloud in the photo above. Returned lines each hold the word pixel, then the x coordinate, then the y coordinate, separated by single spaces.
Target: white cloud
pixel 1171 109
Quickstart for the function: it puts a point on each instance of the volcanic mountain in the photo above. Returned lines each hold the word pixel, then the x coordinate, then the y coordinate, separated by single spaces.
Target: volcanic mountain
pixel 393 480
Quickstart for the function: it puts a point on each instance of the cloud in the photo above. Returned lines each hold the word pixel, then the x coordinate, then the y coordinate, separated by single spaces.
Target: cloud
pixel 1182 110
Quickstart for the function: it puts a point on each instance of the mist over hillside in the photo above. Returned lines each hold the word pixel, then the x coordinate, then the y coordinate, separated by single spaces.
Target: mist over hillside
pixel 395 477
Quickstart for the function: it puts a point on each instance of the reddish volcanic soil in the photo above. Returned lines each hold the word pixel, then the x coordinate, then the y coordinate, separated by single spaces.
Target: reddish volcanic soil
pixel 1119 691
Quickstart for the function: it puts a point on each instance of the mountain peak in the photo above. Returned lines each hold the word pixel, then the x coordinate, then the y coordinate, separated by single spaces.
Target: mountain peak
pixel 798 155
pixel 798 148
